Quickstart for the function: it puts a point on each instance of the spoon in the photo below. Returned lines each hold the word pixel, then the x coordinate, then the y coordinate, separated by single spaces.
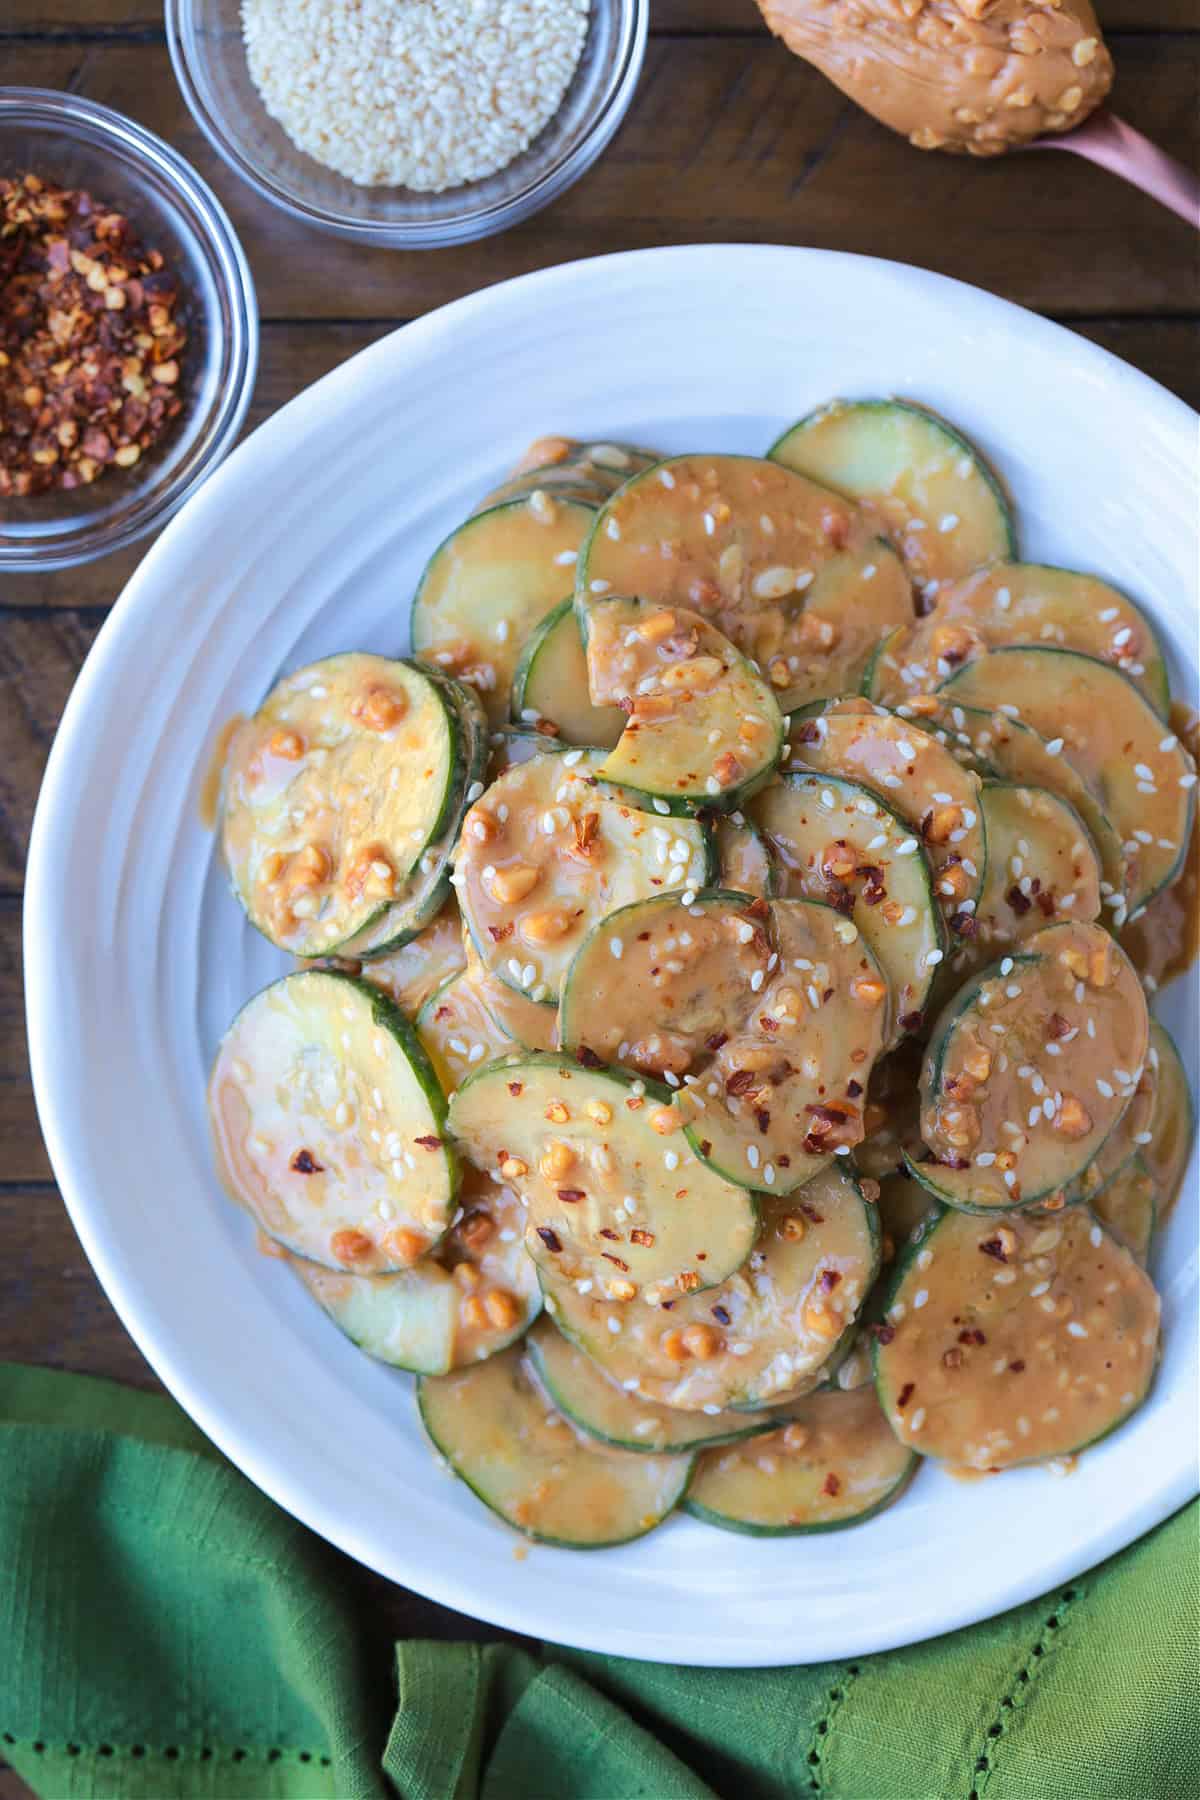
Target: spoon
pixel 1116 146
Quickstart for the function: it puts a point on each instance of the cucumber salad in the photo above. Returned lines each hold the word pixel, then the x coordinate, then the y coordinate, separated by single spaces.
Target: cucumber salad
pixel 711 1065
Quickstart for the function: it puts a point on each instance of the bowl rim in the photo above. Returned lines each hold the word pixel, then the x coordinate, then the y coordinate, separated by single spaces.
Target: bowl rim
pixel 478 222
pixel 397 353
pixel 191 194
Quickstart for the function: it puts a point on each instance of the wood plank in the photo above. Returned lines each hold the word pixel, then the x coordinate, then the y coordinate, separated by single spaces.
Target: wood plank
pixel 39 660
pixel 24 1154
pixel 296 354
pixel 735 139
pixel 129 17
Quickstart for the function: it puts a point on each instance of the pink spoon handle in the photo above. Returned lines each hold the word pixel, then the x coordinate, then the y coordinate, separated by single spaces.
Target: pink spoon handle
pixel 1116 146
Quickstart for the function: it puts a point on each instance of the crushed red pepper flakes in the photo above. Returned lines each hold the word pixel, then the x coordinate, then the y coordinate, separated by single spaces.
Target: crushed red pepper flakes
pixel 90 339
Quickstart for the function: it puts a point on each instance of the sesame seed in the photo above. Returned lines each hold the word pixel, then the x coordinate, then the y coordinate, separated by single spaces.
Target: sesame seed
pixel 756 981
pixel 666 477
pixel 671 1159
pixel 599 586
pixel 1105 1087
pixel 932 957
pixel 908 847
pixel 660 806
pixel 752 1156
pixel 1075 1329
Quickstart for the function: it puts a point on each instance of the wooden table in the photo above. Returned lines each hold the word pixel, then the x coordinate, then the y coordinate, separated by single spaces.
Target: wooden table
pixel 729 138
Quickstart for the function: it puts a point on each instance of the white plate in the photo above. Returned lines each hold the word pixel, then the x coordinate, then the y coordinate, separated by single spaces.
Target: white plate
pixel 309 540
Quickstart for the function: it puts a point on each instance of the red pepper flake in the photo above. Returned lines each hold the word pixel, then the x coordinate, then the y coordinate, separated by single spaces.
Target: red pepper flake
pixel 644 1238
pixel 905 1395
pixel 1017 901
pixel 740 1082
pixel 588 1058
pixel 762 1119
pixel 853 1089
pixel 715 1042
pixel 550 1238
pixel 429 1143
pixel 606 1231
pixel 994 1248
pixel 807 732
pixel 830 1279
pixel 90 343
pixel 498 933
pixel 722 1315
pixel 1057 1026
pixel 911 1021
pixel 1018 1367
pixel 571 1196
pixel 971 1336
pixel 609 1257
pixel 305 1163
pixel 516 1089
pixel 705 1147
pixel 883 1334
pixel 831 1485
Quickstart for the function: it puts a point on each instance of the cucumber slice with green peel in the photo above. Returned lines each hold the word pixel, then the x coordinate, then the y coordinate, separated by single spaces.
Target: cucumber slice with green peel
pixel 1041 865
pixel 1029 1069
pixel 618 1416
pixel 1128 1207
pixel 458 1031
pixel 836 1463
pixel 523 1020
pixel 702 727
pixel 333 792
pixel 916 478
pixel 492 1424
pixel 599 469
pixel 419 967
pixel 1120 1148
pixel 1140 773
pixel 329 1124
pixel 489 583
pixel 473 1298
pixel 746 863
pixel 429 887
pixel 1173 1121
pixel 837 842
pixel 547 851
pixel 654 984
pixel 1014 1339
pixel 914 775
pixel 551 683
pixel 1003 749
pixel 783 1092
pixel 768 1333
pixel 745 543
pixel 614 1192
pixel 1023 603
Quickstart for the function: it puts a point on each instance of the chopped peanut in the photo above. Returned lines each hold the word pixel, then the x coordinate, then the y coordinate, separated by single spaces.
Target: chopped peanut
pixel 501 1308
pixel 795 1437
pixel 545 927
pixel 622 1289
pixel 558 1159
pixel 702 1341
pixel 820 1320
pixel 664 1120
pixel 557 1113
pixel 1073 1119
pixel 978 1062
pixel 512 1168
pixel 600 1111
pixel 869 990
pixel 792 1227
pixel 405 1246
pixel 350 1246
pixel 659 625
pixel 673 1347
pixel 286 744
pixel 379 709
pixel 512 884
pixel 474 1314
pixel 941 822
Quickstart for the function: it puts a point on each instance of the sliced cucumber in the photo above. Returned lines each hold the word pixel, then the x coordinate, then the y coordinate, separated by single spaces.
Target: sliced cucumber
pixel 474 1297
pixel 784 1093
pixel 489 583
pixel 916 776
pixel 410 974
pixel 768 1333
pixel 491 1423
pixel 618 1416
pixel 837 842
pixel 835 1464
pixel 914 475
pixel 551 683
pixel 1029 1069
pixel 597 470
pixel 1042 867
pixel 1173 1122
pixel 1123 1142
pixel 1015 1338
pixel 328 1124
pixel 747 544
pixel 458 1031
pixel 429 886
pixel 1023 603
pixel 1003 748
pixel 1128 1206
pixel 684 977
pixel 524 1021
pixel 547 851
pixel 746 862
pixel 332 792
pixel 614 1192
pixel 702 728
pixel 1141 774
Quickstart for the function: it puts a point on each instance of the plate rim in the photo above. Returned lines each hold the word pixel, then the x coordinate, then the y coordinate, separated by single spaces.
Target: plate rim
pixel 108 1261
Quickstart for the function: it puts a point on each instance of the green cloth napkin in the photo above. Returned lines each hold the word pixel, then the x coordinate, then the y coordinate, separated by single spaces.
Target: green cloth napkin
pixel 166 1631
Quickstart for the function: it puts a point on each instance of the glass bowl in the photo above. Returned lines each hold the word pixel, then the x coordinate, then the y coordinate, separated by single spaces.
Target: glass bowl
pixel 78 144
pixel 205 39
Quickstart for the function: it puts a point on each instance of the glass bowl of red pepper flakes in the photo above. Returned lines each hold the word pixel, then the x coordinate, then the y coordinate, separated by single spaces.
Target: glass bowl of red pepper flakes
pixel 119 258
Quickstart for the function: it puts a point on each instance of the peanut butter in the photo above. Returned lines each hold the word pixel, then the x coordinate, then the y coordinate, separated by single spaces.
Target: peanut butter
pixel 971 76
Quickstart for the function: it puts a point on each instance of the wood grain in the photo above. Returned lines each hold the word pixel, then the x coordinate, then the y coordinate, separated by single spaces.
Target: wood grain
pixel 137 17
pixel 737 140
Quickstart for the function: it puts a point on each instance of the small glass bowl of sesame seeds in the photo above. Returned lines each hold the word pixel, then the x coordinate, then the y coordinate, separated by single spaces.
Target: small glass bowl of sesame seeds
pixel 128 174
pixel 405 114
